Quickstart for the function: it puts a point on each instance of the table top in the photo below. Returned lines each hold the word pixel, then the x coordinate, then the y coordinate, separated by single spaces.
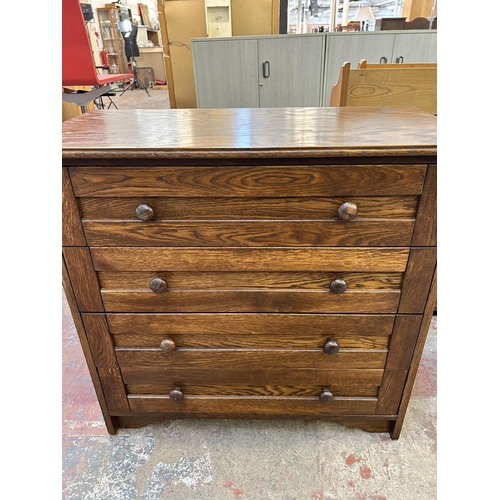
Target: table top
pixel 229 131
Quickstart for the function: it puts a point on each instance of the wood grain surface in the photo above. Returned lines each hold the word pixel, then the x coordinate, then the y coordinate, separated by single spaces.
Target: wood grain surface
pixel 230 405
pixel 280 376
pixel 302 301
pixel 251 324
pixel 340 259
pixel 245 208
pixel 310 233
pixel 244 359
pixel 242 181
pixel 164 132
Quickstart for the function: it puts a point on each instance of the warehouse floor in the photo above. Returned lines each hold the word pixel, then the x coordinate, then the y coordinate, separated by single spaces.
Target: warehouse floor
pixel 211 459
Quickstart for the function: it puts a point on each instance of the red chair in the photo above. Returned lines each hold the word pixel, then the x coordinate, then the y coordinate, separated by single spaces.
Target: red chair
pixel 78 66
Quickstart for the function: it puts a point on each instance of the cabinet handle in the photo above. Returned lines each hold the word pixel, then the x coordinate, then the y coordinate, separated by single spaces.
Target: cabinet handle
pixel 266 69
pixel 158 285
pixel 338 285
pixel 168 345
pixel 144 212
pixel 331 347
pixel 176 394
pixel 326 396
pixel 347 211
pixel 399 59
pixel 383 59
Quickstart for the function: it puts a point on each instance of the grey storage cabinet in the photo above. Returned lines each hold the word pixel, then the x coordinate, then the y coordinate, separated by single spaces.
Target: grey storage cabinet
pixel 259 71
pixel 294 70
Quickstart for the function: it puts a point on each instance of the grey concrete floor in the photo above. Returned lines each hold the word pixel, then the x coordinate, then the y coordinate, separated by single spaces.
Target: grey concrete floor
pixel 210 459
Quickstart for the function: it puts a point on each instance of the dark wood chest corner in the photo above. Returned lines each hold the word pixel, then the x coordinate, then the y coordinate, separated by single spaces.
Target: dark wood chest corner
pixel 257 263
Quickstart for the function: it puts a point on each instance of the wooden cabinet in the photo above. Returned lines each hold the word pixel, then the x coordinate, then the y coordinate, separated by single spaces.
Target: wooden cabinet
pixel 255 263
pixel 274 71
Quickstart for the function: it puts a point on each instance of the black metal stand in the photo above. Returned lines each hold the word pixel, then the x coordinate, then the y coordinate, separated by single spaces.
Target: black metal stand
pixel 135 83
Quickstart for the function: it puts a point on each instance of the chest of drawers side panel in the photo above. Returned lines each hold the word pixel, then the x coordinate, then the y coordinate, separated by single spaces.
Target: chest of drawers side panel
pixel 82 290
pixel 416 357
pixel 110 422
pixel 425 233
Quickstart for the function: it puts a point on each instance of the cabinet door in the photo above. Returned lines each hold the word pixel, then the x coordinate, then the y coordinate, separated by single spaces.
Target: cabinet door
pixel 352 47
pixel 226 73
pixel 290 71
pixel 415 47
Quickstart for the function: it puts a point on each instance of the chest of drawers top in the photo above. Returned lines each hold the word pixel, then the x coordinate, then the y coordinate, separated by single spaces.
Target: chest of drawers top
pixel 273 132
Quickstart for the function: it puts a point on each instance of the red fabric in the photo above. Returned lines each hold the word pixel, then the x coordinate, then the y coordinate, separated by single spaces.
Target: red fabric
pixel 78 66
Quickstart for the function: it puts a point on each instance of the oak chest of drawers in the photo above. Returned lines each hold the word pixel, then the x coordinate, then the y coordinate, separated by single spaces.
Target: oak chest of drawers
pixel 251 263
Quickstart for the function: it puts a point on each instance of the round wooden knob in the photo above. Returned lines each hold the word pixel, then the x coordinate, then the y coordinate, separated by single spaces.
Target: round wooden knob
pixel 338 286
pixel 176 395
pixel 331 347
pixel 326 396
pixel 168 345
pixel 145 212
pixel 158 285
pixel 347 211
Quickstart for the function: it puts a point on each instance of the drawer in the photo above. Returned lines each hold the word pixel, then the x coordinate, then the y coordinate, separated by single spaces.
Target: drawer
pixel 261 233
pixel 258 406
pixel 251 292
pixel 248 181
pixel 219 208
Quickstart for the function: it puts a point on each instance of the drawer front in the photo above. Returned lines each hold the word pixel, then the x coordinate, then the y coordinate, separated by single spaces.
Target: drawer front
pixel 284 331
pixel 230 406
pixel 249 359
pixel 245 181
pixel 218 208
pixel 385 301
pixel 250 259
pixel 251 292
pixel 308 233
pixel 279 382
pixel 255 206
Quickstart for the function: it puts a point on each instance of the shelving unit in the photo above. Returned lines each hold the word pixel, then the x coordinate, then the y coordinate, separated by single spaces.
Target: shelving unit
pixel 112 39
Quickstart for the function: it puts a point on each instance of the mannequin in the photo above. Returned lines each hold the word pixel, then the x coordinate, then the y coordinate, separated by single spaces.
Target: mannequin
pixel 130 37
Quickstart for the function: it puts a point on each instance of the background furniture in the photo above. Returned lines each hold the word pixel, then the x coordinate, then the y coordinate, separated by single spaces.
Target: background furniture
pixel 363 64
pixel 275 264
pixel 390 23
pixel 229 72
pixel 375 46
pixel 112 40
pixel 253 72
pixel 398 85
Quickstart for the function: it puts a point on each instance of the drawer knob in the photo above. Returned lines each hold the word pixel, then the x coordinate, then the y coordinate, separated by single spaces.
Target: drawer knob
pixel 158 285
pixel 168 345
pixel 347 211
pixel 338 285
pixel 326 396
pixel 145 212
pixel 176 395
pixel 331 347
